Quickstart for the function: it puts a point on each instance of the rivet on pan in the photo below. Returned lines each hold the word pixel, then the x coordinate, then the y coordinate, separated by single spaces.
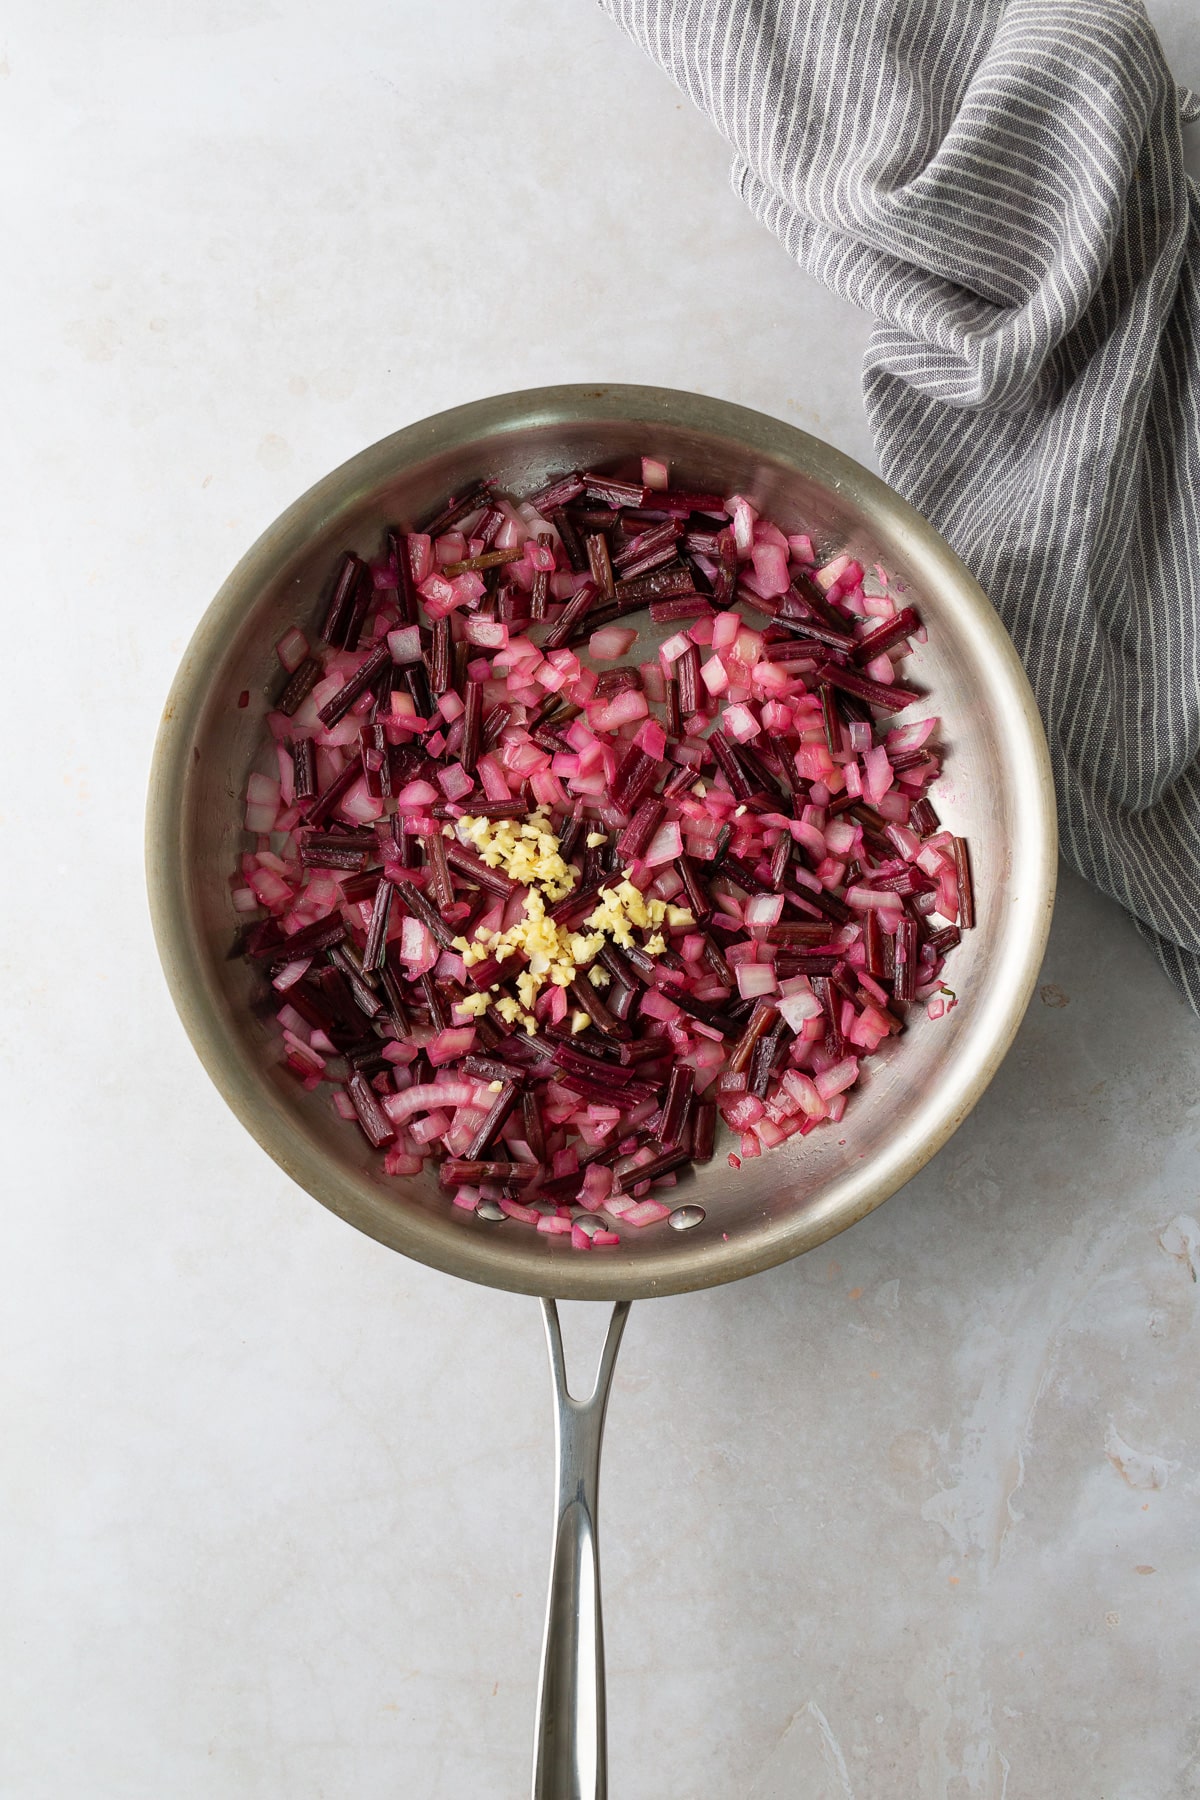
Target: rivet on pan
pixel 589 1227
pixel 684 1217
pixel 490 1209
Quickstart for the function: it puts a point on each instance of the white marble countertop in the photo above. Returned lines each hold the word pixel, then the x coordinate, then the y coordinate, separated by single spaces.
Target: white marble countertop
pixel 914 1516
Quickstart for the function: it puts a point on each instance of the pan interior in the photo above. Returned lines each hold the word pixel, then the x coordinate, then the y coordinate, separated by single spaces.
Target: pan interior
pixel 995 792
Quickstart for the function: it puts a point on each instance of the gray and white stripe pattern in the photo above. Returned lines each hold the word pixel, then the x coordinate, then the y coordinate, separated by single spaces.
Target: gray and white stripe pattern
pixel 1002 187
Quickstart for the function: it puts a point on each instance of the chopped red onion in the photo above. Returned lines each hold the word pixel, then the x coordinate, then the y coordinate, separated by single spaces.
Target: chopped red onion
pixel 806 893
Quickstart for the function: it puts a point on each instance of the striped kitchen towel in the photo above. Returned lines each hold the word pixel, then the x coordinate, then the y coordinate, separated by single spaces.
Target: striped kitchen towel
pixel 1002 187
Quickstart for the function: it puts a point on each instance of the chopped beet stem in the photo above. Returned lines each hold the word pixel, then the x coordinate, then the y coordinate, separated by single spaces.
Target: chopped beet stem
pixel 304 760
pixel 386 790
pixel 317 855
pixel 346 1024
pixel 875 693
pixel 440 661
pixel 873 944
pixel 485 973
pixel 438 1016
pixel 762 775
pixel 781 857
pixel 298 687
pixel 886 634
pixel 619 999
pixel 717 965
pixel 591 1086
pixel 830 719
pixel 618 681
pixel 337 613
pixel 659 584
pixel 823 988
pixel 488 1068
pixel 806 600
pixel 762 1060
pixel 531 1123
pixel 345 837
pixel 688 668
pixel 377 1127
pixel 572 543
pixel 650 1171
pixel 966 887
pixel 683 501
pixel 587 999
pixel 698 897
pixel 489 559
pixel 417 683
pixel 573 908
pixel 493 1119
pixel 640 829
pixel 628 774
pixel 559 492
pixel 658 558
pixel 340 704
pixel 468 862
pixel 904 975
pixel 578 1056
pixel 658 545
pixel 735 774
pixel 621 968
pixel 642 783
pixel 687 1002
pixel 420 909
pixel 600 564
pixel 308 942
pixel 688 606
pixel 365 998
pixel 794 654
pixel 395 1009
pixel 494 723
pixel 807 962
pixel 406 587
pixel 488 526
pixel 571 616
pixel 546 738
pixel 816 633
pixel 457 1169
pixel 676 1106
pixel 541 582
pixel 726 577
pixel 472 719
pixel 364 593
pixel 762 1017
pixel 673 709
pixel 437 861
pixel 704 1131
pixel 614 492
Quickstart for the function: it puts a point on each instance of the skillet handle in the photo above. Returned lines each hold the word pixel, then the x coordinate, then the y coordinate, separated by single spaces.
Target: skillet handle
pixel 571 1751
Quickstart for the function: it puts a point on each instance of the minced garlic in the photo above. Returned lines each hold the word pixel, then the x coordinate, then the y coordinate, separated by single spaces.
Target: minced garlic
pixel 529 853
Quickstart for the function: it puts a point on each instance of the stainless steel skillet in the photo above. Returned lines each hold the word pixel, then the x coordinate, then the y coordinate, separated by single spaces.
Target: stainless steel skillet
pixel 997 792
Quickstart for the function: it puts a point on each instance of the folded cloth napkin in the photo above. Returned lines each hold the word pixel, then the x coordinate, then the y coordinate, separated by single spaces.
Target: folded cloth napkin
pixel 1002 186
